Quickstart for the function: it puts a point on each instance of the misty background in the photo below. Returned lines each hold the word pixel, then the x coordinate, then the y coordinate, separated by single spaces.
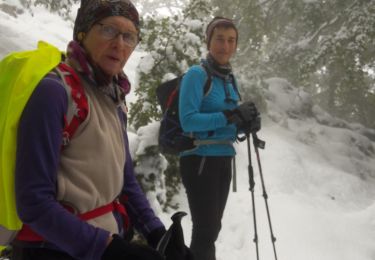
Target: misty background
pixel 308 65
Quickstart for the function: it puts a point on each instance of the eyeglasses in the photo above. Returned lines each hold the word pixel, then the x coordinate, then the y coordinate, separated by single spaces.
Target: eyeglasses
pixel 110 32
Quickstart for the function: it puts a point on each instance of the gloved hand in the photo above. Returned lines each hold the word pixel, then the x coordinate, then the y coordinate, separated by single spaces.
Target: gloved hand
pixel 251 126
pixel 246 117
pixel 119 249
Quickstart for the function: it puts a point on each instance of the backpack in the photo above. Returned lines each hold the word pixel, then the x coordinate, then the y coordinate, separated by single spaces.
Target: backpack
pixel 172 139
pixel 18 79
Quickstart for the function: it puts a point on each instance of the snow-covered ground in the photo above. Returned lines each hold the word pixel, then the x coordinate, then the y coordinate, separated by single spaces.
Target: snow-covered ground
pixel 320 179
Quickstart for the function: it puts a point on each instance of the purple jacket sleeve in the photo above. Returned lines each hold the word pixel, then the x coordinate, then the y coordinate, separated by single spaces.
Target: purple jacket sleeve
pixel 141 214
pixel 38 150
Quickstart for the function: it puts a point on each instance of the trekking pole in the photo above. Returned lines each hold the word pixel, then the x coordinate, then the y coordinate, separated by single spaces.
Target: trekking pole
pixel 252 184
pixel 260 144
pixel 234 173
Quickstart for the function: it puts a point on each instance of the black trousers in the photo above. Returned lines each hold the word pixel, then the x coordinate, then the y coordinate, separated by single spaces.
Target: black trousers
pixel 38 253
pixel 207 182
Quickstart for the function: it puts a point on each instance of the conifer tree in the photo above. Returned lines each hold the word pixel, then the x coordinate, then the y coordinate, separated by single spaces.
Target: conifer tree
pixel 172 44
pixel 324 47
pixel 62 7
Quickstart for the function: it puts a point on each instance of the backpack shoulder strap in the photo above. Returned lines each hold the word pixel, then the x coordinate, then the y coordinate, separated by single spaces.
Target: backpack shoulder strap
pixel 235 85
pixel 78 107
pixel 207 86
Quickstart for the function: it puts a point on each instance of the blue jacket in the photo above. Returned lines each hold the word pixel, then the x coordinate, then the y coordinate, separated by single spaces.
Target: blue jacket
pixel 202 114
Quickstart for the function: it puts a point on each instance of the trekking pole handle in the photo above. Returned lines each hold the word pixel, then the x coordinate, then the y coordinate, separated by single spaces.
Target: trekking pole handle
pixel 250 166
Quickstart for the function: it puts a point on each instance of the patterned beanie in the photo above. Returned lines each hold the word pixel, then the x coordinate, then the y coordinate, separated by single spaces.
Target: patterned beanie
pixel 219 22
pixel 92 11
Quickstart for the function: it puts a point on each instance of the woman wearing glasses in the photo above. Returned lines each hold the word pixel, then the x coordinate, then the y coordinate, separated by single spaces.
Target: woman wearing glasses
pixel 71 200
pixel 213 117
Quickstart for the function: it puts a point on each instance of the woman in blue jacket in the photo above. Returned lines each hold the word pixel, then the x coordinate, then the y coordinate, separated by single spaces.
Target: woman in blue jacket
pixel 214 117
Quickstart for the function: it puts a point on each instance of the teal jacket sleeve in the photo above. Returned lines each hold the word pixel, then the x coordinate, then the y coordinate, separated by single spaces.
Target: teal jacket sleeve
pixel 190 100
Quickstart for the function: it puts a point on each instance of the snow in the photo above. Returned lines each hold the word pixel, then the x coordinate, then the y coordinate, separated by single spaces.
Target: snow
pixel 318 171
pixel 194 24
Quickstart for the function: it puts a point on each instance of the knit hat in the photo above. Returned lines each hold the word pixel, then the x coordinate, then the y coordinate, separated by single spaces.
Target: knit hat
pixel 92 11
pixel 219 22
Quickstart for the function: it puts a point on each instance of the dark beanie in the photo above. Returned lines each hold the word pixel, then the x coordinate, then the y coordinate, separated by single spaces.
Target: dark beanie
pixel 219 22
pixel 92 11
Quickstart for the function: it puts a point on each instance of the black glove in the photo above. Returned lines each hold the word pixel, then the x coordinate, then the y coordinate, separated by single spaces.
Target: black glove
pixel 246 117
pixel 171 244
pixel 251 126
pixel 119 249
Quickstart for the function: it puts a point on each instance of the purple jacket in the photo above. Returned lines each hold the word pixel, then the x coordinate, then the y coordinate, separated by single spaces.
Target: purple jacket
pixel 38 148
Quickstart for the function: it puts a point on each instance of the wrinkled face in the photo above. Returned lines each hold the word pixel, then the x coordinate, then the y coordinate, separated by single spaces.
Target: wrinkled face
pixel 107 43
pixel 223 44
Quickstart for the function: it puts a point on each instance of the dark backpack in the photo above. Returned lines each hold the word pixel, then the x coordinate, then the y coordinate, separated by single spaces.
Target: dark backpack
pixel 172 139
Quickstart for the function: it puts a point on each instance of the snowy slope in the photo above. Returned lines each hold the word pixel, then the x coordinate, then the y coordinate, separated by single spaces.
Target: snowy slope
pixel 319 172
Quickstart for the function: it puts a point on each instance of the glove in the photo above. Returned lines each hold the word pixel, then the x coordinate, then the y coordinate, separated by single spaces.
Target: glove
pixel 171 243
pixel 252 126
pixel 246 112
pixel 246 117
pixel 119 249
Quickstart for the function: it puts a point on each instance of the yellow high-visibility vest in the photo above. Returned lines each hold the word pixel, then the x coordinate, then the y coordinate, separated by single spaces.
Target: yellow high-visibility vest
pixel 20 73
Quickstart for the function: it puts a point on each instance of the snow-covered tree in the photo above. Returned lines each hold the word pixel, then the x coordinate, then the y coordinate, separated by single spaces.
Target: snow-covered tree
pixel 171 44
pixel 326 47
pixel 62 7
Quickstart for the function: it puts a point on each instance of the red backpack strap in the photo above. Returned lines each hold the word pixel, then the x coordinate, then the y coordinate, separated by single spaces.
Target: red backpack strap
pixel 77 101
pixel 27 234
